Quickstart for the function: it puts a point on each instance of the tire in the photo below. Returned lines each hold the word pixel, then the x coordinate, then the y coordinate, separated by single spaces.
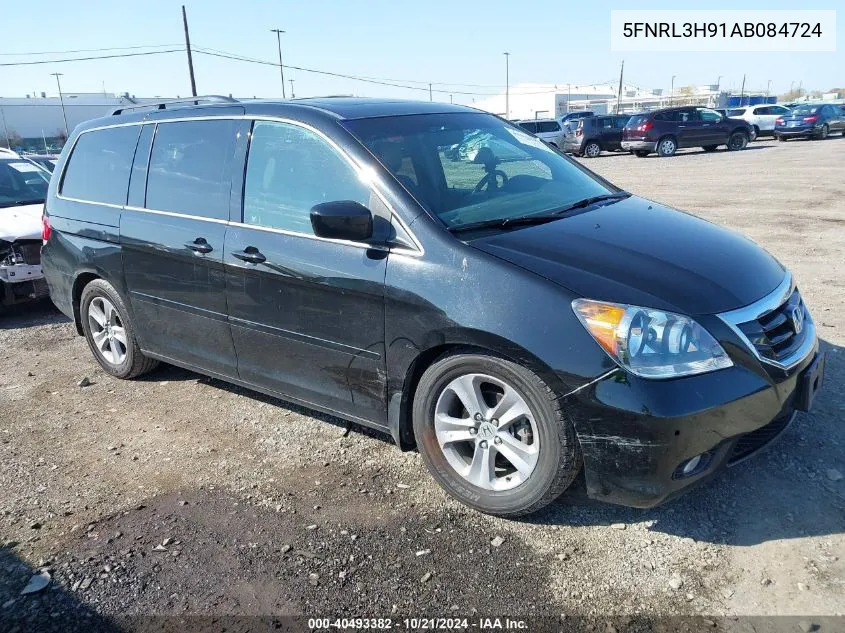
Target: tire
pixel 667 146
pixel 781 139
pixel 592 149
pixel 709 148
pixel 823 133
pixel 123 358
pixel 500 489
pixel 641 153
pixel 737 141
pixel 756 131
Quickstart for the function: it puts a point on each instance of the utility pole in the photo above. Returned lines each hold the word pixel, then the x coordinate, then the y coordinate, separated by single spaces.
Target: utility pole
pixel 450 99
pixel 800 83
pixel 507 86
pixel 292 96
pixel 619 94
pixel 62 101
pixel 768 87
pixel 568 98
pixel 278 33
pixel 672 91
pixel 430 94
pixel 188 48
pixel 742 90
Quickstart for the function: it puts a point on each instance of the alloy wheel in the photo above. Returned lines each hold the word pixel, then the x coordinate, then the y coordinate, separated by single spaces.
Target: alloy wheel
pixel 824 132
pixel 592 150
pixel 667 147
pixel 487 432
pixel 107 330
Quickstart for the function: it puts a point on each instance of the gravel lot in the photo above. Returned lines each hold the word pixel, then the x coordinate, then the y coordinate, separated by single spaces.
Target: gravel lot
pixel 177 494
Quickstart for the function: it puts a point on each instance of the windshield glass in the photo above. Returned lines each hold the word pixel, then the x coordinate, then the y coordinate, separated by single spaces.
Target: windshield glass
pixel 21 183
pixel 467 167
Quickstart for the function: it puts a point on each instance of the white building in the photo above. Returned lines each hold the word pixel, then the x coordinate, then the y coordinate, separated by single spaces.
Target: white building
pixel 537 101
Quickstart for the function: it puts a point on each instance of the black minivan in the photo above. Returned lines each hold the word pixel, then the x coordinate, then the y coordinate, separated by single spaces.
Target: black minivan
pixel 510 314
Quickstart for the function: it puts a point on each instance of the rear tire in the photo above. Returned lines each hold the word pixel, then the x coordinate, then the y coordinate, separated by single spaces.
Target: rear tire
pixel 641 153
pixel 782 139
pixel 667 146
pixel 110 332
pixel 592 149
pixel 710 148
pixel 824 132
pixel 470 456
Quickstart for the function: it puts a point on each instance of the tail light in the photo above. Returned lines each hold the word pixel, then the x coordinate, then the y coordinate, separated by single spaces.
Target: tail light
pixel 46 229
pixel 645 127
pixel 778 121
pixel 810 119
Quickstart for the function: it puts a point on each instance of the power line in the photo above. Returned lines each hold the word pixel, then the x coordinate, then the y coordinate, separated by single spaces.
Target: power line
pixel 85 59
pixel 87 50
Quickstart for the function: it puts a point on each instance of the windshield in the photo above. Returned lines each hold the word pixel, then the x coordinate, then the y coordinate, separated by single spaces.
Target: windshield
pixel 21 183
pixel 474 167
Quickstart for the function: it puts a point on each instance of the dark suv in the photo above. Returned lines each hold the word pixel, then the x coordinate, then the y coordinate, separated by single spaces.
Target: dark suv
pixel 511 314
pixel 670 129
pixel 592 135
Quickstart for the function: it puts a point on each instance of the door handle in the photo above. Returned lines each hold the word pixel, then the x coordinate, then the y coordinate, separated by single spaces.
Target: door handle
pixel 251 255
pixel 199 245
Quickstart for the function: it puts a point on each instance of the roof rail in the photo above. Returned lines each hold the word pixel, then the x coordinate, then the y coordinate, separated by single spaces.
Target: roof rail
pixel 163 105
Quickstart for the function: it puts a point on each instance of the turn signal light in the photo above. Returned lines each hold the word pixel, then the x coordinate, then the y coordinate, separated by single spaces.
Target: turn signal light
pixel 601 320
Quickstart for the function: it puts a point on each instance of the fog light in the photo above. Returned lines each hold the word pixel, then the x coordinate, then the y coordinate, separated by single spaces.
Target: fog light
pixel 691 465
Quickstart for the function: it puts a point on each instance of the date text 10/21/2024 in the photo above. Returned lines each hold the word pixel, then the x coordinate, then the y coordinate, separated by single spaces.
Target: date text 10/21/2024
pixel 418 624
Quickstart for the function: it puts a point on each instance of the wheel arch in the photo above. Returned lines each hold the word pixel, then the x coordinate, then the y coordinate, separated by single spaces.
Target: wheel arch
pixel 85 276
pixel 401 394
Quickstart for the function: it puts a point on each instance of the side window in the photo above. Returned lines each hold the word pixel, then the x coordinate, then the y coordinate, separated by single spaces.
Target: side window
pixel 291 169
pixel 98 169
pixel 191 168
pixel 710 116
pixel 606 123
pixel 779 110
pixel 622 121
pixel 672 115
pixel 529 126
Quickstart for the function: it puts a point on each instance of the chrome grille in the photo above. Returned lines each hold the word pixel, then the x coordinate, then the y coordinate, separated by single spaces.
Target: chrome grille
pixel 778 333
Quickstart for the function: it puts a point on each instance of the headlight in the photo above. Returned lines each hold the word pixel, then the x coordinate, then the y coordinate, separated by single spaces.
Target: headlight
pixel 651 343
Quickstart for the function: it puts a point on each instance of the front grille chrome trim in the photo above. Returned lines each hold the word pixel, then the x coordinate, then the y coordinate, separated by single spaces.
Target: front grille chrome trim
pixel 754 311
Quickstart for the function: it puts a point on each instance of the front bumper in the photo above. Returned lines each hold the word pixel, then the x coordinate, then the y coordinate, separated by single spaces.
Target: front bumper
pixel 637 434
pixel 632 146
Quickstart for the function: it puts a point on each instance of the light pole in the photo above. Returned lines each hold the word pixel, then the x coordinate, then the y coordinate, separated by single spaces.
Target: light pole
pixel 292 96
pixel 5 129
pixel 672 91
pixel 278 33
pixel 62 101
pixel 768 87
pixel 507 86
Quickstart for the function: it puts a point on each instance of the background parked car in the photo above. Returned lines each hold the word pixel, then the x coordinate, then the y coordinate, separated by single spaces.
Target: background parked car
pixel 667 130
pixel 549 130
pixel 811 120
pixel 576 115
pixel 761 117
pixel 591 136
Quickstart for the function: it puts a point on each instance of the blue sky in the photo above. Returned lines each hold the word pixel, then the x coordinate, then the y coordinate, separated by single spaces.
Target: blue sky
pixel 443 41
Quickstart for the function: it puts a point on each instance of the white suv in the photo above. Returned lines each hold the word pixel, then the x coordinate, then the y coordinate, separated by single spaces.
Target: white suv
pixel 548 130
pixel 762 116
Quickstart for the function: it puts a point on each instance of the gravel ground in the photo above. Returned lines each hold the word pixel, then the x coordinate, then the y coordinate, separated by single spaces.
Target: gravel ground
pixel 177 494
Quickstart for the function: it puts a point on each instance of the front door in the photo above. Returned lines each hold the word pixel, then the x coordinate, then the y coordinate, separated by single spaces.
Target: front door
pixel 172 235
pixel 712 130
pixel 307 313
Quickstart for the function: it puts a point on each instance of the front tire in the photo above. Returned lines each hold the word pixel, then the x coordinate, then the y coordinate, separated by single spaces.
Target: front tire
pixel 737 141
pixel 493 434
pixel 110 333
pixel 667 146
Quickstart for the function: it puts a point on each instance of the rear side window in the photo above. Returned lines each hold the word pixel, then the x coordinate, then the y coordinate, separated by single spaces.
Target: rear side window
pixel 548 126
pixel 666 116
pixel 529 126
pixel 98 168
pixel 291 169
pixel 191 168
pixel 635 121
pixel 606 123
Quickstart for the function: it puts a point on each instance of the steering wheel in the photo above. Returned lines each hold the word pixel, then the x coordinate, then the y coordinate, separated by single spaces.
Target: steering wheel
pixel 491 181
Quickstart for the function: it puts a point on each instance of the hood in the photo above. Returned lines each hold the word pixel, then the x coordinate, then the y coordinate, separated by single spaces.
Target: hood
pixel 639 252
pixel 21 223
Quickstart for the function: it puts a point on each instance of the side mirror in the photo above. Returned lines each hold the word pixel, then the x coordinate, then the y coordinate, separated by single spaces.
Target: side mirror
pixel 342 220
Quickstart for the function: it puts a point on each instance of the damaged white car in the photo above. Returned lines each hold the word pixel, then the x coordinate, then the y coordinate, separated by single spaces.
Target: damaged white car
pixel 23 187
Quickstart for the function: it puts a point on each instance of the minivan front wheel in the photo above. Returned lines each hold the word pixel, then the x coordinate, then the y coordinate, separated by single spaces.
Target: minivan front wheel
pixel 667 146
pixel 493 434
pixel 110 333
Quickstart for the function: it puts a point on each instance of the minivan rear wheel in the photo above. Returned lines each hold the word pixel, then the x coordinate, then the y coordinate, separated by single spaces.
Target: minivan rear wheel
pixel 667 146
pixel 110 333
pixel 493 434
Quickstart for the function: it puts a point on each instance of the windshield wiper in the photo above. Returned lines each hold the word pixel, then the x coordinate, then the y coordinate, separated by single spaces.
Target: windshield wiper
pixel 504 223
pixel 586 202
